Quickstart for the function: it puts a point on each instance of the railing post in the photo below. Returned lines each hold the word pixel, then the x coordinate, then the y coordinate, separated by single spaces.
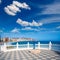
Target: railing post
pixel 28 45
pixel 50 45
pixel 1 48
pixel 17 45
pixel 5 48
pixel 38 45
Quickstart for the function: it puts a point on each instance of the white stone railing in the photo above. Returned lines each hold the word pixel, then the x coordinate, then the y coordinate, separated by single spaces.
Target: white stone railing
pixel 4 47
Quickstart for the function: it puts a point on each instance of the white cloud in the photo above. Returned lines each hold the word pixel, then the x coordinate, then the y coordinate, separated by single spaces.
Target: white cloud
pixel 21 5
pixel 34 23
pixel 25 28
pixel 25 23
pixel 13 8
pixel 30 28
pixel 58 27
pixel 0 1
pixel 52 9
pixel 9 12
pixel 50 20
pixel 33 29
pixel 1 30
pixel 36 29
pixel 15 30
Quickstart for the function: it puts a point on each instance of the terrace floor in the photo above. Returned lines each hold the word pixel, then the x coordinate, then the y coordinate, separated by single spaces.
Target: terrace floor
pixel 27 55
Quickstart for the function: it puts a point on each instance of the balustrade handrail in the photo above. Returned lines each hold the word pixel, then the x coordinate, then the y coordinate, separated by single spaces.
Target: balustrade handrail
pixel 28 45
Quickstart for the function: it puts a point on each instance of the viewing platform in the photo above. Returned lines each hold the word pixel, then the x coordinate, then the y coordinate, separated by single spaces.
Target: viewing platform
pixel 27 55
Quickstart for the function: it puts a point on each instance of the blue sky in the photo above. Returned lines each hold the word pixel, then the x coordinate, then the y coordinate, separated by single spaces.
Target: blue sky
pixel 30 18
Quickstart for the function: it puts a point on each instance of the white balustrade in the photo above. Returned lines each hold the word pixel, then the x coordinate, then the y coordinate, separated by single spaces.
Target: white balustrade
pixel 17 45
pixel 50 45
pixel 4 47
pixel 28 45
pixel 38 45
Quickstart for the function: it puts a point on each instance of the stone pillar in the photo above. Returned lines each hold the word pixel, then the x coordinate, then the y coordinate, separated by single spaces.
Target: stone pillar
pixel 28 45
pixel 4 47
pixel 17 45
pixel 38 45
pixel 50 45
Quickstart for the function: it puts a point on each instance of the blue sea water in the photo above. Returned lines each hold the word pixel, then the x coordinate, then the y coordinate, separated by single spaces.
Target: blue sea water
pixel 35 42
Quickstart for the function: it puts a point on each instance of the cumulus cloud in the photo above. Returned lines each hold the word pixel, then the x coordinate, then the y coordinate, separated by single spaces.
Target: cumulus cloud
pixel 15 30
pixel 9 12
pixel 34 23
pixel 13 8
pixel 21 5
pixel 25 23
